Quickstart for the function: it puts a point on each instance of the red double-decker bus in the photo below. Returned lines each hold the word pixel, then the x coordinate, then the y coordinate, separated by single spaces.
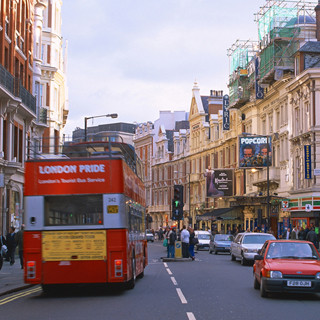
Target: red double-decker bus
pixel 85 218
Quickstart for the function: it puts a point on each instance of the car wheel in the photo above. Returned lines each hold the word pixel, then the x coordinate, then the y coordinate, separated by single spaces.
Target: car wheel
pixel 233 258
pixel 244 261
pixel 263 292
pixel 256 284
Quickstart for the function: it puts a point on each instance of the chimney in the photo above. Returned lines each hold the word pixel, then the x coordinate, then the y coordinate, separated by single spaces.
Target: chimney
pixel 317 10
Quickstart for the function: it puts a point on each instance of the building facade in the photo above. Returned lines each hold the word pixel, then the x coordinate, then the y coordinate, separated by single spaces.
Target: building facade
pixel 17 105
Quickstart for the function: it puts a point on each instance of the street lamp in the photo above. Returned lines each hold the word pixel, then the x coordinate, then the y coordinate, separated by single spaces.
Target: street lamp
pixel 268 170
pixel 112 115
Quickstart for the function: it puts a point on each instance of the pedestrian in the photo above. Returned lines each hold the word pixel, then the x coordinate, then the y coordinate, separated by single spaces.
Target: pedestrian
pixel 185 237
pixel 312 237
pixel 11 244
pixel 192 242
pixel 160 234
pixel 3 249
pixel 302 234
pixel 286 234
pixel 294 234
pixel 19 242
pixel 172 240
pixel 166 235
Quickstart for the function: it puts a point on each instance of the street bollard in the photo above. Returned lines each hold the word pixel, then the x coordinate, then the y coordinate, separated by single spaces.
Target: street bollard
pixel 178 250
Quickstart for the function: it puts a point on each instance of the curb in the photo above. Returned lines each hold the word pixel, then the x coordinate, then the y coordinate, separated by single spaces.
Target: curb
pixel 176 259
pixel 17 289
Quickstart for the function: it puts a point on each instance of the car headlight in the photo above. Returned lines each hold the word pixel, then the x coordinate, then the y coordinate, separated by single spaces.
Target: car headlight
pixel 275 274
pixel 249 250
pixel 318 276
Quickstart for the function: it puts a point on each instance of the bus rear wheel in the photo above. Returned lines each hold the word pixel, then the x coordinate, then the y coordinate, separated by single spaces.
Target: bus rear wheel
pixel 132 282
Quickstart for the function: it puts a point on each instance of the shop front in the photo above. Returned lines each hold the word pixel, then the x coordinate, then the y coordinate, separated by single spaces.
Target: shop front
pixel 222 220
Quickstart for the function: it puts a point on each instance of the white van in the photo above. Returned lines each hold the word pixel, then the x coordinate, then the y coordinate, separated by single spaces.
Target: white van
pixel 203 238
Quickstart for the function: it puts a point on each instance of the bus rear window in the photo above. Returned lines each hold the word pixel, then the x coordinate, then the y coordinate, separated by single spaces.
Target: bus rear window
pixel 73 210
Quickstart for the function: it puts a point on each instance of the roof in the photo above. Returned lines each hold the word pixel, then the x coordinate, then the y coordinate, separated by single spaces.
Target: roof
pixel 205 103
pixel 311 47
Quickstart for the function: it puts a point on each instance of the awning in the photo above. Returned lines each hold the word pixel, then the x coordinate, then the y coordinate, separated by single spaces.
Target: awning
pixel 219 214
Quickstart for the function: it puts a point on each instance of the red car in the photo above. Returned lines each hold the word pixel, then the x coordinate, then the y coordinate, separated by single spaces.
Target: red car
pixel 287 266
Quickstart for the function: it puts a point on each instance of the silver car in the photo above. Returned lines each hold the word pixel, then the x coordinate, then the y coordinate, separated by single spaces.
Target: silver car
pixel 246 245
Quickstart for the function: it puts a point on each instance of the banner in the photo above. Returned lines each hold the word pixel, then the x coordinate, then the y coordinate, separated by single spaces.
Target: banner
pixel 307 162
pixel 255 151
pixel 226 113
pixel 219 182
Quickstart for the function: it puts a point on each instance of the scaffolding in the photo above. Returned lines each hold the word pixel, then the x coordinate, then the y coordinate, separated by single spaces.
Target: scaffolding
pixel 282 26
pixel 241 54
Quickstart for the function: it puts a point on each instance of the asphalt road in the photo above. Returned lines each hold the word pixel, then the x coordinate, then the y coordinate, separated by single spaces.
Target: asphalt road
pixel 211 287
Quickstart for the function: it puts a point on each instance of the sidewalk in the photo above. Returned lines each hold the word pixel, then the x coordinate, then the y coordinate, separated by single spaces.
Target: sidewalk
pixel 11 278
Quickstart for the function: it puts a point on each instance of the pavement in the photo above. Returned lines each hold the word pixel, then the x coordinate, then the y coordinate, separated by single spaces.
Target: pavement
pixel 11 278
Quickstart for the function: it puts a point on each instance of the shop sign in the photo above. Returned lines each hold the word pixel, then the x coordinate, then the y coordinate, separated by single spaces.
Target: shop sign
pixel 308 207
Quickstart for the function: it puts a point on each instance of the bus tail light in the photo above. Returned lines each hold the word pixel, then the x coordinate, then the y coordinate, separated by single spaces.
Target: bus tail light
pixel 31 269
pixel 118 268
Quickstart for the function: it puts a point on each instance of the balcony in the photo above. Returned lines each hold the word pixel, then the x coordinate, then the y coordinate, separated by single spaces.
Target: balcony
pixel 13 85
pixel 260 177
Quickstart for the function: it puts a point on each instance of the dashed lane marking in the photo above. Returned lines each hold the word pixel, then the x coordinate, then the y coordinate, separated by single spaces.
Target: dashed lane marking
pixel 174 281
pixel 191 316
pixel 169 271
pixel 181 296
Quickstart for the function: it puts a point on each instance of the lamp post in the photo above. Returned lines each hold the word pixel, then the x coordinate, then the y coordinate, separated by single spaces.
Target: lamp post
pixel 112 115
pixel 268 171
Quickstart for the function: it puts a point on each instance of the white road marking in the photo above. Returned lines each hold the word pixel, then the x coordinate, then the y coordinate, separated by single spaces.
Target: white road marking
pixel 165 264
pixel 181 296
pixel 169 271
pixel 191 316
pixel 174 281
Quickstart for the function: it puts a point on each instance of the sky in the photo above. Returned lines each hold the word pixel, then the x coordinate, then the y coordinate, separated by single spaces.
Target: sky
pixel 139 57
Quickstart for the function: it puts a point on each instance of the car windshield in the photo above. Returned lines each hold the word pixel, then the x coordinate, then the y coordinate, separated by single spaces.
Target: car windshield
pixel 204 236
pixel 291 250
pixel 257 239
pixel 223 237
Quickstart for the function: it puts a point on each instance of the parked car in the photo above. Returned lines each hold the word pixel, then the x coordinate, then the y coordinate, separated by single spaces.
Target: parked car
pixel 203 238
pixel 149 235
pixel 287 266
pixel 246 245
pixel 220 243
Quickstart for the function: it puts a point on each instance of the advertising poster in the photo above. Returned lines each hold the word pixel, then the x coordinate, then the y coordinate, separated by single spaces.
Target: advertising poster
pixel 254 150
pixel 74 245
pixel 219 182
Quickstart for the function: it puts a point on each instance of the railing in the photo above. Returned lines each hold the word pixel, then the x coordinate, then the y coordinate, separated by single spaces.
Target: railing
pixel 13 85
pixel 6 79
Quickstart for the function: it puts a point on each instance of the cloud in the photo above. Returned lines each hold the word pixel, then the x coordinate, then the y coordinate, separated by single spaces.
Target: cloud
pixel 139 57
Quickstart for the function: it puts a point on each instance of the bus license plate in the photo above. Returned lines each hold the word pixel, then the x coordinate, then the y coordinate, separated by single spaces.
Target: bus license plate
pixel 299 283
pixel 113 209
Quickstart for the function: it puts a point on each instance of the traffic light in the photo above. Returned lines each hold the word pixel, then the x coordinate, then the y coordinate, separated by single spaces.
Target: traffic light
pixel 177 202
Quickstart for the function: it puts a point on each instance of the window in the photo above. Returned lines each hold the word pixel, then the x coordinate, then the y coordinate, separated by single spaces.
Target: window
pixel 73 210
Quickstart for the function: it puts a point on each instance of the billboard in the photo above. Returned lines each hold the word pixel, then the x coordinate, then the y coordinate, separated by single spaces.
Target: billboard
pixel 219 182
pixel 253 151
